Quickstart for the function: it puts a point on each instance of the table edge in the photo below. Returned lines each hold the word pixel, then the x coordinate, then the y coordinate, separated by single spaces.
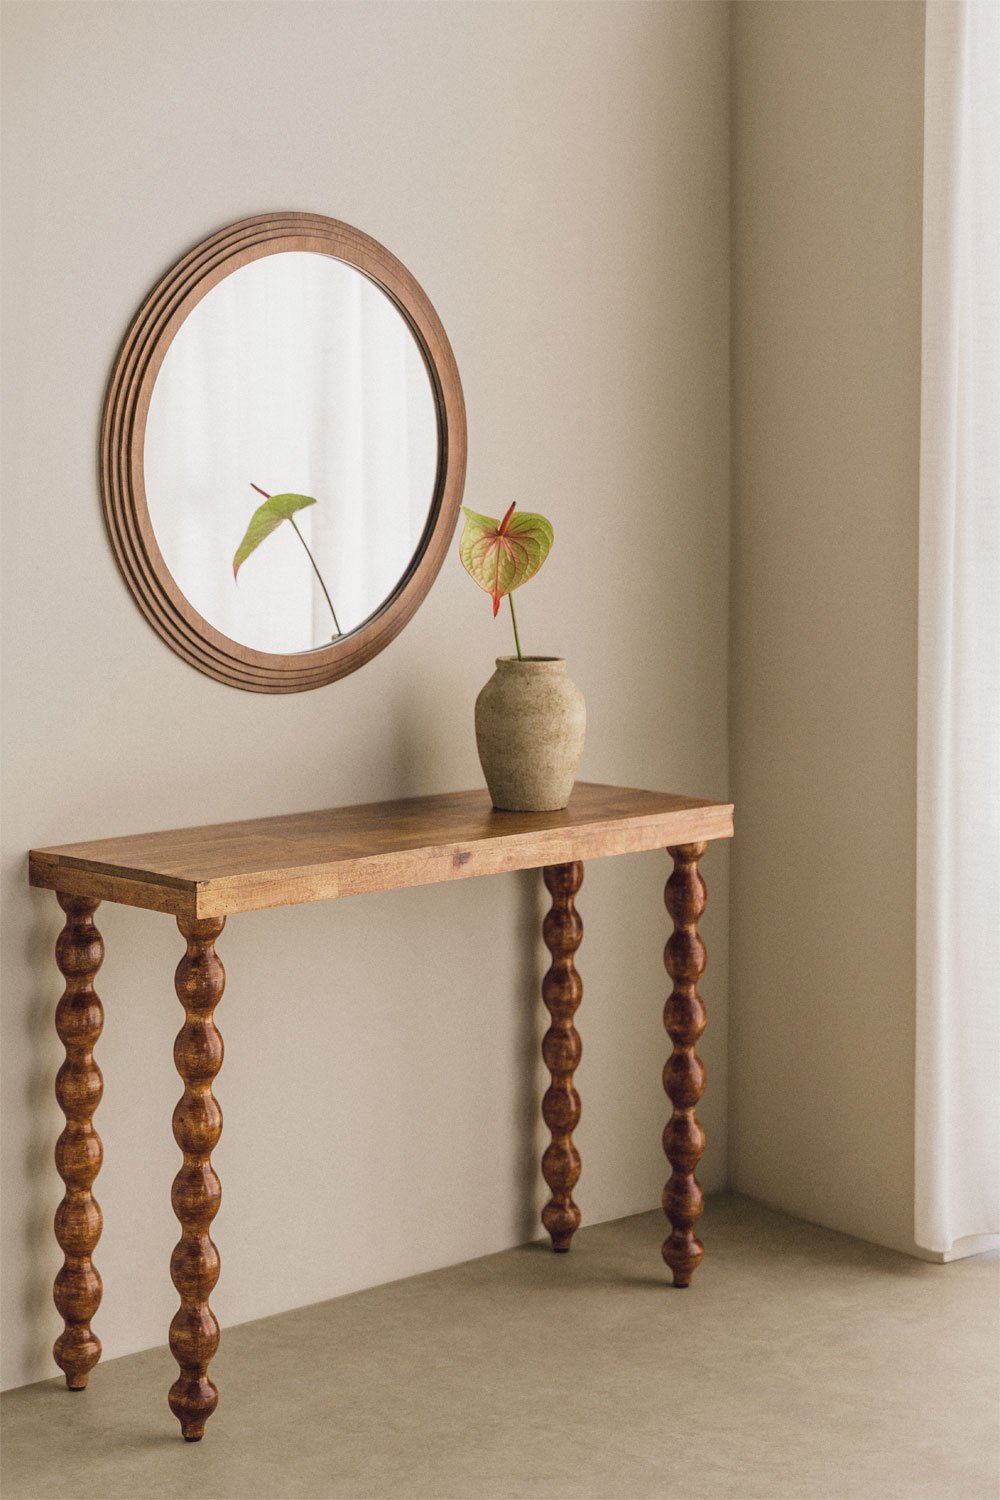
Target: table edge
pixel 427 864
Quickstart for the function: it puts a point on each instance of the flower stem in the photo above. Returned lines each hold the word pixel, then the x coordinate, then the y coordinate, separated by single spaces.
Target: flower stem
pixel 513 618
pixel 318 574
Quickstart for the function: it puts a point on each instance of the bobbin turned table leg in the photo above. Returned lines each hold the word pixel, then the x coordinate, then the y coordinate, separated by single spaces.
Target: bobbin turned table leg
pixel 562 991
pixel 194 1265
pixel 684 1074
pixel 79 1086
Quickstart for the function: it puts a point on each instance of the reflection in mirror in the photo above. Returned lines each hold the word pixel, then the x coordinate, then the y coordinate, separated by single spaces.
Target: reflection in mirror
pixel 295 378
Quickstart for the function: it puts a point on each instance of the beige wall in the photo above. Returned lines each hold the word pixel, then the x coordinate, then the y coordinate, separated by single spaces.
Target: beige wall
pixel 557 177
pixel 827 132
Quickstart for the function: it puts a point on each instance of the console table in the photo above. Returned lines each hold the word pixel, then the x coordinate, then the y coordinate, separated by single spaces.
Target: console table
pixel 203 875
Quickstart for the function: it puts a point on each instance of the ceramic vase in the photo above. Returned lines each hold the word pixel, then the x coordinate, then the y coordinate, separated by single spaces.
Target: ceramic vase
pixel 530 722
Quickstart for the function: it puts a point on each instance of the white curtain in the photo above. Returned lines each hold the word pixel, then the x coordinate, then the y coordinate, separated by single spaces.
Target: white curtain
pixel 957 1203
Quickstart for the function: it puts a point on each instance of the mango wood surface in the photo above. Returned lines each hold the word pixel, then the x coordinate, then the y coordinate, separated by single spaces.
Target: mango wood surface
pixel 316 856
pixel 562 991
pixel 684 1074
pixel 79 1086
pixel 203 874
pixel 194 1266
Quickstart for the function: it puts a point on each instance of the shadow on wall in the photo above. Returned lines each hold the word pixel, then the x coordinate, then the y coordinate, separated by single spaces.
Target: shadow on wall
pixel 39 1170
pixel 423 738
pixel 415 752
pixel 531 1025
pixel 414 766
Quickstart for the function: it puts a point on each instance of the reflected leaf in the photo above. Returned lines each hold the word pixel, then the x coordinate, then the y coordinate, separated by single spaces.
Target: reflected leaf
pixel 265 519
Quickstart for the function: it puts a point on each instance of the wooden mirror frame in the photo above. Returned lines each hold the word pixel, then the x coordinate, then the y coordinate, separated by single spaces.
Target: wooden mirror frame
pixel 123 430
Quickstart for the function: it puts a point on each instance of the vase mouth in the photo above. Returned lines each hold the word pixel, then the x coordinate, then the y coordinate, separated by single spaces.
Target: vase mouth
pixel 540 663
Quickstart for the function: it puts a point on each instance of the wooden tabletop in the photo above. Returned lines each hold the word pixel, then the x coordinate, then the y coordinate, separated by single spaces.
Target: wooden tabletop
pixel 344 851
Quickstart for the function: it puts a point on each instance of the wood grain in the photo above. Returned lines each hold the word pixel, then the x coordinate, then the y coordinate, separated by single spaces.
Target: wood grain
pixel 562 991
pixel 684 1074
pixel 316 856
pixel 200 874
pixel 197 1192
pixel 123 440
pixel 79 1086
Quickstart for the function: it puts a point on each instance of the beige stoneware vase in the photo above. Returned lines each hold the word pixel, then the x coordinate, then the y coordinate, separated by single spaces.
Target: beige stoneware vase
pixel 530 723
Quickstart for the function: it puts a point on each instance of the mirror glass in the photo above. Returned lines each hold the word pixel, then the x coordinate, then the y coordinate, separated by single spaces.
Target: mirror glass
pixel 295 375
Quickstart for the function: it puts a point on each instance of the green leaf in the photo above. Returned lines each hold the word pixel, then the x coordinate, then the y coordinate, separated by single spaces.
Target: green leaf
pixel 502 555
pixel 265 519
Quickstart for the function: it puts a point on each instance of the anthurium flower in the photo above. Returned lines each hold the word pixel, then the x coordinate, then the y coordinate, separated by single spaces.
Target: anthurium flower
pixel 502 555
pixel 267 518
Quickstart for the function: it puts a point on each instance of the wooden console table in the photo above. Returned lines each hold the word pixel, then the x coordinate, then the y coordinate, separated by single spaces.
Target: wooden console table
pixel 203 875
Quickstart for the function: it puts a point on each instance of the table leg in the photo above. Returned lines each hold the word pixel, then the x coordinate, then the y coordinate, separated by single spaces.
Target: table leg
pixel 194 1265
pixel 562 990
pixel 79 1086
pixel 684 1074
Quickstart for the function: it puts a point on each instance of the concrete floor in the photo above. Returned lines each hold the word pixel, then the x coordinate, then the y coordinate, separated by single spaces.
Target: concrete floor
pixel 800 1365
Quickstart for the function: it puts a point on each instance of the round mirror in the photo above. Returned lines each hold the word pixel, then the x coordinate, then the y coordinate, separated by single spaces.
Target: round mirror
pixel 283 452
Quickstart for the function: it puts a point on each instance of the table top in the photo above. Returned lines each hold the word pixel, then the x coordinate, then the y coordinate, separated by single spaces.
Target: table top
pixel 223 868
